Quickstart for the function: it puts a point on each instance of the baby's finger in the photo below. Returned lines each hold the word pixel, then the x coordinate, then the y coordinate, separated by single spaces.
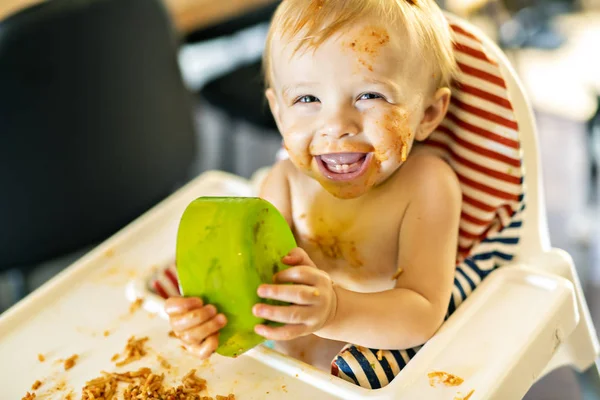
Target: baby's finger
pixel 193 318
pixel 297 257
pixel 180 305
pixel 199 333
pixel 287 332
pixel 206 348
pixel 297 294
pixel 283 314
pixel 303 275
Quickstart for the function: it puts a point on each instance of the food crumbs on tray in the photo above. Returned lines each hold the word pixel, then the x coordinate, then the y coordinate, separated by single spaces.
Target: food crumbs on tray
pixel 398 272
pixel 135 305
pixel 172 334
pixel 36 385
pixel 70 362
pixel 134 350
pixel 459 396
pixel 284 388
pixel 467 397
pixel 143 384
pixel 106 333
pixel 163 362
pixel 41 358
pixel 380 355
pixel 109 253
pixel 444 378
pixel 28 396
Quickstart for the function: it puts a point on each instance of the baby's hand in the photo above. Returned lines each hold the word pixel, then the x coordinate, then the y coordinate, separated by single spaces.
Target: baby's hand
pixel 196 325
pixel 313 298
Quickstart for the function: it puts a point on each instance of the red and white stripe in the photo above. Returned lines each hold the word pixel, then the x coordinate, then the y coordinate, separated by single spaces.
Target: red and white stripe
pixel 165 282
pixel 480 139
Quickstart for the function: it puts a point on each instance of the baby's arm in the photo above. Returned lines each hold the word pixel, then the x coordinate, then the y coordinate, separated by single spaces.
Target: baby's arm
pixel 410 314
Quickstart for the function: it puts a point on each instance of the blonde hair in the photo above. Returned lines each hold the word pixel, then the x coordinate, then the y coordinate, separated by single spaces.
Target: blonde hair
pixel 318 20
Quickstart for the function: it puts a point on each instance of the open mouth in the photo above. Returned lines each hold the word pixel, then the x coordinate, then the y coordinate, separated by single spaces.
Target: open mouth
pixel 343 166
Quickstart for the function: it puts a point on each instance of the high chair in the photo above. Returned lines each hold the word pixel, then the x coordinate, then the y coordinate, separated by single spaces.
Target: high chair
pixel 529 315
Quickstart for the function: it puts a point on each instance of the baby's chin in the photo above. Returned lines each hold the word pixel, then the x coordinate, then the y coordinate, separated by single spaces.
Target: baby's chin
pixel 346 190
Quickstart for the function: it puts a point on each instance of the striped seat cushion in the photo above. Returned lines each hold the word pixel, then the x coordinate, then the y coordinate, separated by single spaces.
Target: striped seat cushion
pixel 479 138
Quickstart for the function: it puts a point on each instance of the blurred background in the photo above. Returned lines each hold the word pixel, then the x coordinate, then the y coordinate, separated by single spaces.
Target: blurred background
pixel 108 106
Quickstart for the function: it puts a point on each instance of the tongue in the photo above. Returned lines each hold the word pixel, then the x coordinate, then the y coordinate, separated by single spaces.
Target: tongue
pixel 342 158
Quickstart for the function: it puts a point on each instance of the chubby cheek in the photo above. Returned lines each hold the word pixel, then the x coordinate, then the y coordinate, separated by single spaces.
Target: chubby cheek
pixel 297 143
pixel 394 136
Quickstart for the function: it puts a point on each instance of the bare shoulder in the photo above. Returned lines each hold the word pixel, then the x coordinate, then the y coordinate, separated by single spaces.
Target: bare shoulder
pixel 276 188
pixel 427 177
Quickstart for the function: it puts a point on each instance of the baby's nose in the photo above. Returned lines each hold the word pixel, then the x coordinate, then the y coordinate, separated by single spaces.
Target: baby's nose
pixel 341 125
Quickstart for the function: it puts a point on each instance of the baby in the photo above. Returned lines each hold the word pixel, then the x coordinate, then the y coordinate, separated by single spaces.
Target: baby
pixel 354 86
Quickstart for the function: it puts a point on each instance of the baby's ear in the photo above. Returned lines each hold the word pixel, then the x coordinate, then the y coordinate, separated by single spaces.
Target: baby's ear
pixel 434 113
pixel 273 105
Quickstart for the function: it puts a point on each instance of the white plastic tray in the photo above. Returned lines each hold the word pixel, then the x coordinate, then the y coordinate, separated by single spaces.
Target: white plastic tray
pixel 70 313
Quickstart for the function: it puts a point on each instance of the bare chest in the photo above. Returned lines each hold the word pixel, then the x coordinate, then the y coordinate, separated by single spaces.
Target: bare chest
pixel 356 242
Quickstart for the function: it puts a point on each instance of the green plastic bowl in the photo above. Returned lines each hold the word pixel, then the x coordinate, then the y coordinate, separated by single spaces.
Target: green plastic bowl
pixel 226 248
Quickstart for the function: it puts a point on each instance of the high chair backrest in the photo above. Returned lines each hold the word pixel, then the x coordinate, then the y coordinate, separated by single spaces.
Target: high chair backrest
pixel 489 138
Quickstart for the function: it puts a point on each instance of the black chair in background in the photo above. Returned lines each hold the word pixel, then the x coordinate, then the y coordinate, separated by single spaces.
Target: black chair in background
pixel 96 124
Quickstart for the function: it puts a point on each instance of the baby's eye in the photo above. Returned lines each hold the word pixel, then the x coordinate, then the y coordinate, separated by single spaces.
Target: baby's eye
pixel 307 99
pixel 369 96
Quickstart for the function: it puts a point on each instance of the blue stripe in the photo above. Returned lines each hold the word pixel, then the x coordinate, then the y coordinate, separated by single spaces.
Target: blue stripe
pixel 366 367
pixel 522 195
pixel 510 240
pixel 460 288
pixel 451 306
pixel 516 224
pixel 345 368
pixel 464 275
pixel 476 269
pixel 385 365
pixel 411 353
pixel 490 254
pixel 399 359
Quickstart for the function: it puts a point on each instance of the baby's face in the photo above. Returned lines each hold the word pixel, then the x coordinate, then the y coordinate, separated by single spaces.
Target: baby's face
pixel 349 110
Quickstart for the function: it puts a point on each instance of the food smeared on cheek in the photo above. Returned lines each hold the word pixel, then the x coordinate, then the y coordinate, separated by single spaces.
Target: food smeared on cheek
pixel 299 154
pixel 397 134
pixel 367 45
